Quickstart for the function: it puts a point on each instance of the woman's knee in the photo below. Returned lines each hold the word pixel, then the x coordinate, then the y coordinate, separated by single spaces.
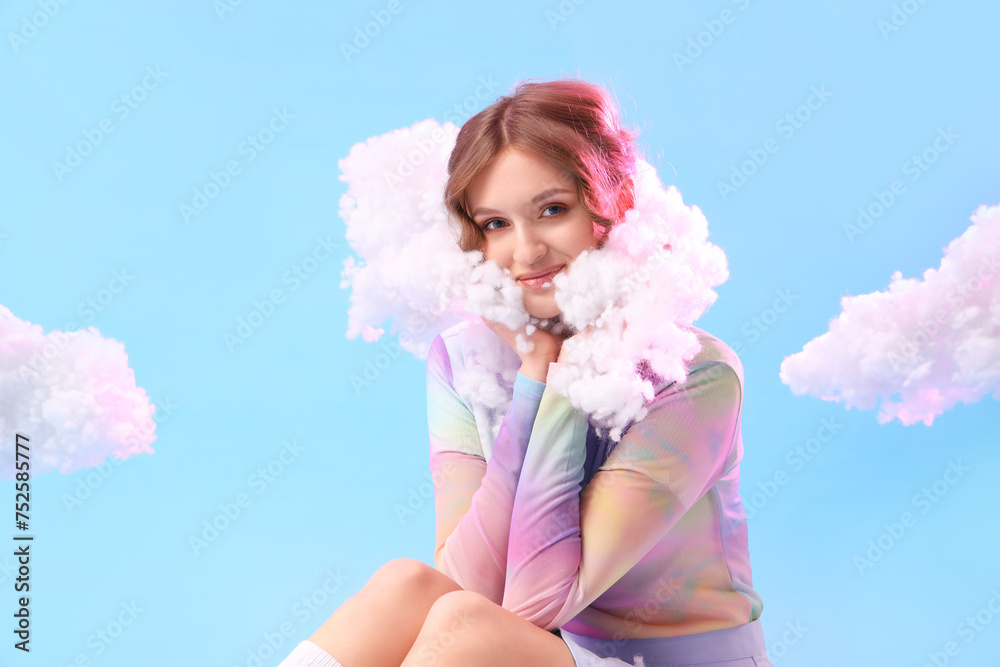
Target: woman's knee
pixel 459 609
pixel 410 577
pixel 459 626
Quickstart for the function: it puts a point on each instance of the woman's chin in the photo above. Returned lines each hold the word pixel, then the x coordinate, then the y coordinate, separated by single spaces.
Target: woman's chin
pixel 544 313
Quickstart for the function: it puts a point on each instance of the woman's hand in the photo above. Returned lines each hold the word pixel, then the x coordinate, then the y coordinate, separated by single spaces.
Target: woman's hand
pixel 546 349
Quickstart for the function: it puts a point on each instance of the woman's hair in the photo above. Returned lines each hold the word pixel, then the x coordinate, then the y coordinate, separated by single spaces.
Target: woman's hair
pixel 570 123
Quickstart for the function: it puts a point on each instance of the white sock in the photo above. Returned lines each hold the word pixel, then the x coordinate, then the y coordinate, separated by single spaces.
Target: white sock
pixel 308 654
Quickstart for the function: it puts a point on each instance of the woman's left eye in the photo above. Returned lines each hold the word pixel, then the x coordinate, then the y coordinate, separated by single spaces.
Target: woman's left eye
pixel 553 206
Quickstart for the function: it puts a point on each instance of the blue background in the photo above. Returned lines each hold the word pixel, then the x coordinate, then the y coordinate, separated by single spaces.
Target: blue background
pixel 331 510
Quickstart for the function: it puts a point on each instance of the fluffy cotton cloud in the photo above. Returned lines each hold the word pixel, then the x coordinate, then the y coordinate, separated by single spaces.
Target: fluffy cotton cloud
pixel 616 299
pixel 397 225
pixel 629 301
pixel 72 394
pixel 934 341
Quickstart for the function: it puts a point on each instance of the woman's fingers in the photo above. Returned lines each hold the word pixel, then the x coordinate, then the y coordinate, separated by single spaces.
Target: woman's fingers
pixel 545 344
pixel 505 332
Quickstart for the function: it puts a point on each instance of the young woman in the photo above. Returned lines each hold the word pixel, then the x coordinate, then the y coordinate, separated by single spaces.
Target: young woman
pixel 556 547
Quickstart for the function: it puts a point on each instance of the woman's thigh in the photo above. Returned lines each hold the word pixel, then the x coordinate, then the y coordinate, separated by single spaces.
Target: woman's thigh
pixel 399 595
pixel 466 628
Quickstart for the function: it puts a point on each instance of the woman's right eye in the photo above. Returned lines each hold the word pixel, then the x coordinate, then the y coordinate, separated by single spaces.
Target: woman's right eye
pixel 486 226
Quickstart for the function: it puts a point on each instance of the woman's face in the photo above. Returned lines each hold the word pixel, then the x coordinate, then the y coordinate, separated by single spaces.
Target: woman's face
pixel 533 223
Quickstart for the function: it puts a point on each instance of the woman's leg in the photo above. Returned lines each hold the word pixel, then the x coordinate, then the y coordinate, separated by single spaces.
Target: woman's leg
pixel 377 626
pixel 464 628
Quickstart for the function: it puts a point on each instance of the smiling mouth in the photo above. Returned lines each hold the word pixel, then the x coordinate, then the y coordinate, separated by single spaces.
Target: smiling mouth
pixel 541 281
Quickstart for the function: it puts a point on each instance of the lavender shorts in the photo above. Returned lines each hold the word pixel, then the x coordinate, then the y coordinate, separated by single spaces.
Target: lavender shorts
pixel 740 646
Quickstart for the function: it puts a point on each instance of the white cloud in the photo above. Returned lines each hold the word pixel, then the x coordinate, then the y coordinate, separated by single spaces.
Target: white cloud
pixel 72 393
pixel 934 341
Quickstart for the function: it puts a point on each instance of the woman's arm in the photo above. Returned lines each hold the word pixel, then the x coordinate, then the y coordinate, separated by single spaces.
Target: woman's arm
pixel 567 548
pixel 473 499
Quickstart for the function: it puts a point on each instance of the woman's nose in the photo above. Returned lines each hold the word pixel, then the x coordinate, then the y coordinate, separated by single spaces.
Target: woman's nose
pixel 529 248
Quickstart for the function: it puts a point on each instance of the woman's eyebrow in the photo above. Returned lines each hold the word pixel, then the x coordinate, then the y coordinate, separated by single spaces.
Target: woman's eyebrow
pixel 544 194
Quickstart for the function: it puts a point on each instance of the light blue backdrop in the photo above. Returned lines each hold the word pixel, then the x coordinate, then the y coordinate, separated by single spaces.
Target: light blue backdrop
pixel 170 93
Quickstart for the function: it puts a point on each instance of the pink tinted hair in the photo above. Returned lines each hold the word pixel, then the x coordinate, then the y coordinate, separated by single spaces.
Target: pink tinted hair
pixel 572 124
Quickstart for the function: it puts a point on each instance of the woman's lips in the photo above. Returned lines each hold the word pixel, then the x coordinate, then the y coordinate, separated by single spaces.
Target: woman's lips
pixel 542 282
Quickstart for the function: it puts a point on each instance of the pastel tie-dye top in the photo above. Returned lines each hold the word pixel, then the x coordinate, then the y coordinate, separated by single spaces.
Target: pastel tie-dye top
pixel 655 544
